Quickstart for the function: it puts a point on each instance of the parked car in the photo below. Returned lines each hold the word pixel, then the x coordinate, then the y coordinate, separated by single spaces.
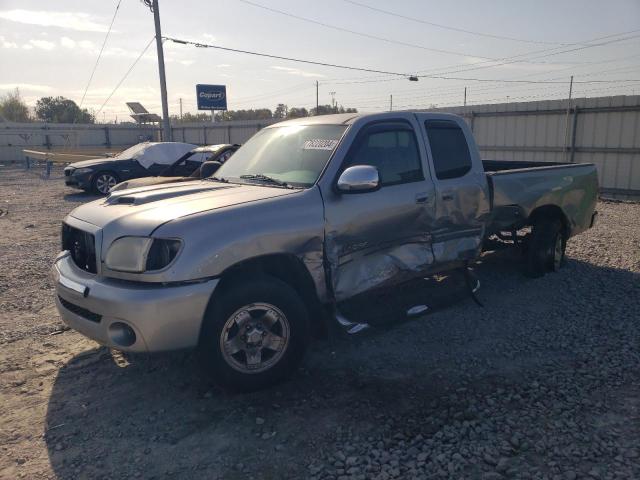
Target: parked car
pixel 309 215
pixel 142 160
pixel 185 168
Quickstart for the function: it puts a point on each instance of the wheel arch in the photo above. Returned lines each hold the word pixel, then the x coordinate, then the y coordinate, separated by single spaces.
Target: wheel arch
pixel 550 212
pixel 287 268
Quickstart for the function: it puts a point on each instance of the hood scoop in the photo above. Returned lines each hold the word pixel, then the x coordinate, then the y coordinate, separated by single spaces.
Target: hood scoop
pixel 150 194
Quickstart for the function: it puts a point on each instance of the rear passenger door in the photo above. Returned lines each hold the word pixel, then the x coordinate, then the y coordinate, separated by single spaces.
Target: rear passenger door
pixel 462 197
pixel 381 237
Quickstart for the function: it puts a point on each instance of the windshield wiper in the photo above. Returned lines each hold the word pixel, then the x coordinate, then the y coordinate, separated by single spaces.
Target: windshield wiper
pixel 217 179
pixel 265 178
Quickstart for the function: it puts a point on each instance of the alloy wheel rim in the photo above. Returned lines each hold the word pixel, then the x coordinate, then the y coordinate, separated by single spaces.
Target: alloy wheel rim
pixel 254 338
pixel 105 182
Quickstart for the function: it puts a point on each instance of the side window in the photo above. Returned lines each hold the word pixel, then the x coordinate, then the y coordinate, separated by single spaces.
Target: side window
pixel 393 151
pixel 451 157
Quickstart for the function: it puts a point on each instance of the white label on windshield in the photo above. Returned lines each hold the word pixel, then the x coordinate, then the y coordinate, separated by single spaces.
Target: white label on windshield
pixel 320 144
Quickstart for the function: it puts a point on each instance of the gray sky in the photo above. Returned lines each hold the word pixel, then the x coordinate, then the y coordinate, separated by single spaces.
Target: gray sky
pixel 49 48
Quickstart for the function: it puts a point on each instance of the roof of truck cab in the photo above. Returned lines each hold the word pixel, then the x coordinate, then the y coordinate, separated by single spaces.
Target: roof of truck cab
pixel 335 119
pixel 350 118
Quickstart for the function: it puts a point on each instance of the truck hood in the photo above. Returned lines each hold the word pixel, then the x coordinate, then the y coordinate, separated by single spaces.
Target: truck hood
pixel 139 211
pixel 147 181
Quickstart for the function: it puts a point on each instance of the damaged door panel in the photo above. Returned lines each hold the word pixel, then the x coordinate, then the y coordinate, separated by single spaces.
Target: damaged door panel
pixel 463 199
pixel 381 237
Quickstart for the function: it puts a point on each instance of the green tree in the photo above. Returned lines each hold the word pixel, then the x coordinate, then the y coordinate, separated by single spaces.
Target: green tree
pixel 251 114
pixel 191 117
pixel 62 110
pixel 280 111
pixel 13 108
pixel 295 112
pixel 330 109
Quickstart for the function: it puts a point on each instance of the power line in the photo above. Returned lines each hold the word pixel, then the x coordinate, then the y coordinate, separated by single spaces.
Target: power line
pixel 514 58
pixel 347 67
pixel 126 74
pixel 100 53
pixel 365 35
pixel 455 29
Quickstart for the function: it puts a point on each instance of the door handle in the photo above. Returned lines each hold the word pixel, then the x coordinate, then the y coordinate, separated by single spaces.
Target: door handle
pixel 422 197
pixel 447 196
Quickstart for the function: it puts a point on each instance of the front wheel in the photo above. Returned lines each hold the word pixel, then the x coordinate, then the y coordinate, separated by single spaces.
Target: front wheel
pixel 254 334
pixel 103 182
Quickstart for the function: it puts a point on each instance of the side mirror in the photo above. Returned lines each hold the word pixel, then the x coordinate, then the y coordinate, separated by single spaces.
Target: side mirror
pixel 209 168
pixel 359 179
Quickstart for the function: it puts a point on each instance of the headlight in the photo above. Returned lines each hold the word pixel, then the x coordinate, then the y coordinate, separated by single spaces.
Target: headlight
pixel 140 254
pixel 81 171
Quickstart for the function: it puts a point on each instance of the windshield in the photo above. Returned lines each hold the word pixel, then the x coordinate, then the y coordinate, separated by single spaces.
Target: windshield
pixel 294 154
pixel 131 151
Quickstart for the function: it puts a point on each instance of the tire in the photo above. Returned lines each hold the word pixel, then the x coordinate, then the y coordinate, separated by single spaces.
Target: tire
pixel 245 310
pixel 546 248
pixel 103 182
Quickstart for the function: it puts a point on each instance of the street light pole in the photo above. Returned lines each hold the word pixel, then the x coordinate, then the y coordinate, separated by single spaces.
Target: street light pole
pixel 166 126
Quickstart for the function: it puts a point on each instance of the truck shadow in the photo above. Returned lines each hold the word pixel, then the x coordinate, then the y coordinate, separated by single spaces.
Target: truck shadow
pixel 81 197
pixel 116 416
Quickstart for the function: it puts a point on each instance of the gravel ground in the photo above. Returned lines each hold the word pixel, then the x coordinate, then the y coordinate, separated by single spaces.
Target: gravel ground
pixel 541 383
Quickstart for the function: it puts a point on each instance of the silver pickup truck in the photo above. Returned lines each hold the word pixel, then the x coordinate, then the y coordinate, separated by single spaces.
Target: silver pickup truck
pixel 247 264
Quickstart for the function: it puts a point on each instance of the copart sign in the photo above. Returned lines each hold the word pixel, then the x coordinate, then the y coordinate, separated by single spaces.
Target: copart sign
pixel 211 97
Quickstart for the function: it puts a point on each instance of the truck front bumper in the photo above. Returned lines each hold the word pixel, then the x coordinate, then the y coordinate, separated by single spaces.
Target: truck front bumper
pixel 130 316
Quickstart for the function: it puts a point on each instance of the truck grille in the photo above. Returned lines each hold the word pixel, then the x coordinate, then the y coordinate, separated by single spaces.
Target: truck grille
pixel 81 312
pixel 82 246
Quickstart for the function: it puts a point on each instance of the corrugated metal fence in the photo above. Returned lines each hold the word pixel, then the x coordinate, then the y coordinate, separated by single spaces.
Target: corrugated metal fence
pixel 604 131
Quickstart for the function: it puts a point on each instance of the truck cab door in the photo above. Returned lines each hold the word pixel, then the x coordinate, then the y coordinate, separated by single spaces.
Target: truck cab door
pixel 380 237
pixel 462 206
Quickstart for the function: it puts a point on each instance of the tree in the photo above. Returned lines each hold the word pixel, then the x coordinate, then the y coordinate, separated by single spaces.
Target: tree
pixel 13 108
pixel 330 109
pixel 257 114
pixel 191 117
pixel 280 111
pixel 295 112
pixel 62 110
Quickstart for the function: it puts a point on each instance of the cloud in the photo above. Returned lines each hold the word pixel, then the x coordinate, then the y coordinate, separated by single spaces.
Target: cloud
pixel 67 42
pixel 69 20
pixel 208 37
pixel 4 43
pixel 296 71
pixel 223 65
pixel 42 44
pixel 26 87
pixel 186 63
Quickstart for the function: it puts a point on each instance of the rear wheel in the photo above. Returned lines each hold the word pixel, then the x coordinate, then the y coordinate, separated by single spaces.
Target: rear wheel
pixel 546 247
pixel 103 182
pixel 254 334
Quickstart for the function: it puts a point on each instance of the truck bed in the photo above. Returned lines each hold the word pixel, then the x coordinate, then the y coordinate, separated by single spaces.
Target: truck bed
pixel 519 188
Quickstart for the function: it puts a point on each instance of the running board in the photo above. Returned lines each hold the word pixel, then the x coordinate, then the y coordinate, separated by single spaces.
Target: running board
pixel 349 326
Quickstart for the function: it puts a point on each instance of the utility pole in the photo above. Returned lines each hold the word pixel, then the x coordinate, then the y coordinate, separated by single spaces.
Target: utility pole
pixel 317 104
pixel 465 96
pixel 166 126
pixel 566 122
pixel 391 102
pixel 333 99
pixel 180 109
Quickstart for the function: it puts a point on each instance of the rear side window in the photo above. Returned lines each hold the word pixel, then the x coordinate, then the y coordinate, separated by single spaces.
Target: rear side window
pixel 451 157
pixel 393 151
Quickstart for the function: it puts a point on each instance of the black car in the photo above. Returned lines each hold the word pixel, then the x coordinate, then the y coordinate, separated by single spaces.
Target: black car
pixel 142 160
pixel 185 168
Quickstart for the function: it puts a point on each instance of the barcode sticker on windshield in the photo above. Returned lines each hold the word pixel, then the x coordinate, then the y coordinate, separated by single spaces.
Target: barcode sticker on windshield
pixel 320 144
